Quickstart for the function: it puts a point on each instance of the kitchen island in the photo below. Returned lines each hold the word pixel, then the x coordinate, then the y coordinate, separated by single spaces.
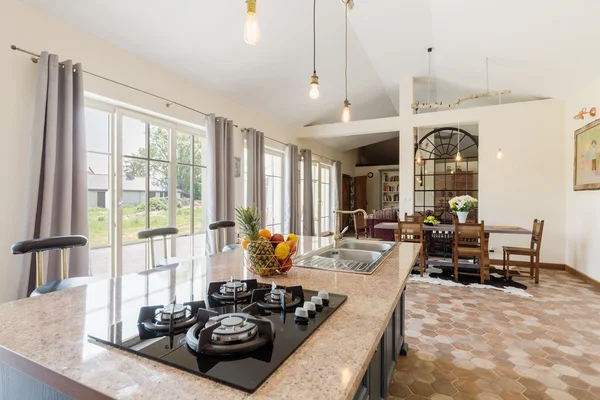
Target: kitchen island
pixel 44 339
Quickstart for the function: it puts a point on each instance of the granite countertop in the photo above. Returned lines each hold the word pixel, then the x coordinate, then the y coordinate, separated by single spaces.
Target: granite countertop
pixel 46 336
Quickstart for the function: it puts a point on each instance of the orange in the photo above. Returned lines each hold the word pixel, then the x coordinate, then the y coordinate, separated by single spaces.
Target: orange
pixel 245 242
pixel 265 233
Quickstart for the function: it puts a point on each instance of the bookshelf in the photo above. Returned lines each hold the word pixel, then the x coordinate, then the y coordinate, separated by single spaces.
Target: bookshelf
pixel 390 188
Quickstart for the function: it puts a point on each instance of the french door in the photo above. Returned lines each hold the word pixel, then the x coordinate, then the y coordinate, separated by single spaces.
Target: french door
pixel 148 175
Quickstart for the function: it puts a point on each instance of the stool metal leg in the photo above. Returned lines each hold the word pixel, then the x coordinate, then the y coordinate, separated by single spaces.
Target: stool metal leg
pixel 39 269
pixel 153 264
pixel 63 261
pixel 165 246
pixel 218 240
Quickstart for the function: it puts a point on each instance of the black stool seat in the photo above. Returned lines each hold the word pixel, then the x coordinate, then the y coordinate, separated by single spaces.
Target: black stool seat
pixel 221 224
pixel 62 285
pixel 51 243
pixel 153 232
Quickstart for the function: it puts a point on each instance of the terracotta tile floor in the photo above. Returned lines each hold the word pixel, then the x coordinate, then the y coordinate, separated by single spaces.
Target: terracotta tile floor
pixel 467 343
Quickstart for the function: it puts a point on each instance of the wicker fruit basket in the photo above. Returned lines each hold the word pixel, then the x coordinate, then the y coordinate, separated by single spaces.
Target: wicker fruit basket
pixel 259 261
pixel 264 254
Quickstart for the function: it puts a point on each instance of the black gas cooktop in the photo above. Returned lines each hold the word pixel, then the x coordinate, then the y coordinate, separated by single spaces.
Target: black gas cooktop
pixel 239 336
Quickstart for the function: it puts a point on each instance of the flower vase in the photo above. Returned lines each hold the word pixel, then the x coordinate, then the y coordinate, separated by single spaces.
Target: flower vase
pixel 462 216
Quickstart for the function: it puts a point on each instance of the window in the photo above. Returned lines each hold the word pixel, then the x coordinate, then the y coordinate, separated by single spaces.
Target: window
pixel 274 191
pixel 322 199
pixel 150 154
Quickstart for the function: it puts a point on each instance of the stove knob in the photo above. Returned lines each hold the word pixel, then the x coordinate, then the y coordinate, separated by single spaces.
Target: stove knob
pixel 311 308
pixel 325 296
pixel 301 315
pixel 318 302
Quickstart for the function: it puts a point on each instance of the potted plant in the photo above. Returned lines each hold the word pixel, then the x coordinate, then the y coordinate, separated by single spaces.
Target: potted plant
pixel 461 205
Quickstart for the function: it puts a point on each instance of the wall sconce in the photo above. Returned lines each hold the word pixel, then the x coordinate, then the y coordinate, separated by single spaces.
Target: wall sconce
pixel 584 111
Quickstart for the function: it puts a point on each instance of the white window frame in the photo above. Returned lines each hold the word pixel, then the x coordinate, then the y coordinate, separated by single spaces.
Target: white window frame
pixel 278 153
pixel 117 111
pixel 321 211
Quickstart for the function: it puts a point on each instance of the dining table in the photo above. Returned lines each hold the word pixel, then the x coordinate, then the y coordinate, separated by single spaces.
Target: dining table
pixel 443 232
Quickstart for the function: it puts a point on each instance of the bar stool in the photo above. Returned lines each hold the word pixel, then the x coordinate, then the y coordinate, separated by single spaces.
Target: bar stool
pixel 152 233
pixel 62 243
pixel 217 226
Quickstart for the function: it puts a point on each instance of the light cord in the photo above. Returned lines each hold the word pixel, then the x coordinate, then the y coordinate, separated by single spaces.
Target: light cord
pixel 315 37
pixel 346 65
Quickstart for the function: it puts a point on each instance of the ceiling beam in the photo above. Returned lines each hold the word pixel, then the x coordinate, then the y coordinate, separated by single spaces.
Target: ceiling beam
pixel 352 128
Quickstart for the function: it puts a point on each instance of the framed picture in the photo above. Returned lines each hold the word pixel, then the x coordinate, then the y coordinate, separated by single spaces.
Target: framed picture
pixel 237 168
pixel 586 171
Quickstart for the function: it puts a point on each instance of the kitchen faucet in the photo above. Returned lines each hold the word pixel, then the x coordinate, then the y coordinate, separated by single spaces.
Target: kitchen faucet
pixel 337 235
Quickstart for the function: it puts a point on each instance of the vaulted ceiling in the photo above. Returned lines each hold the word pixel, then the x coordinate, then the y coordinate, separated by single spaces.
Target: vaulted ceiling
pixel 536 48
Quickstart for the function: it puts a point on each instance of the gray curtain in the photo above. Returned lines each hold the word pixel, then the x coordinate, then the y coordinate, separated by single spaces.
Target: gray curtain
pixel 220 190
pixel 291 182
pixel 307 197
pixel 256 193
pixel 57 198
pixel 336 191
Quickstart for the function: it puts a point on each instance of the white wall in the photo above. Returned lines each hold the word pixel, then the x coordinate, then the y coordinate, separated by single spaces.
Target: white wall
pixel 527 183
pixel 583 207
pixel 33 30
pixel 374 184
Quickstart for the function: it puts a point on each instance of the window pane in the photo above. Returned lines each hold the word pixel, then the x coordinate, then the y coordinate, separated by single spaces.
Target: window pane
pixel 159 143
pixel 158 201
pixel 268 218
pixel 277 165
pixel 134 137
pixel 268 164
pixel 198 178
pixel 97 129
pixel 197 150
pixel 184 148
pixel 98 199
pixel 134 199
pixel 277 202
pixel 184 199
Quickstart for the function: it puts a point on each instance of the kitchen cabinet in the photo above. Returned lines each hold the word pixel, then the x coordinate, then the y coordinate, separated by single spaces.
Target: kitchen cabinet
pixel 376 382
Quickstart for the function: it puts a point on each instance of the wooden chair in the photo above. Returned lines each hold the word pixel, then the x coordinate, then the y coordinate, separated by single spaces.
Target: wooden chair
pixel 533 252
pixel 470 241
pixel 412 232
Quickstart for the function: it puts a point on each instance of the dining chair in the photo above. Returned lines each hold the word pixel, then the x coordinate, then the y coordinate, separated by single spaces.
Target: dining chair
pixel 533 251
pixel 470 241
pixel 217 226
pixel 412 232
pixel 41 245
pixel 152 233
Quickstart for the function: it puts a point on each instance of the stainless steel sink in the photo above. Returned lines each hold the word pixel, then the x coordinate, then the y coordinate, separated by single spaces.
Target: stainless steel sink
pixel 352 255
pixel 369 246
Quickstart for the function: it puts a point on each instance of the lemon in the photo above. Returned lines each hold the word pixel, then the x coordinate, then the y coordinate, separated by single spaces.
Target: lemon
pixel 282 251
pixel 292 237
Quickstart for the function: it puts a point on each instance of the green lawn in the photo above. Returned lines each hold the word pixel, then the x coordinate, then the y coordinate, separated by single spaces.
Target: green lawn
pixel 134 221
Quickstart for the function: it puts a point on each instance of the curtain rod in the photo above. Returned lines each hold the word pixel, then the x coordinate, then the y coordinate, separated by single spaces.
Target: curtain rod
pixel 270 138
pixel 318 155
pixel 35 57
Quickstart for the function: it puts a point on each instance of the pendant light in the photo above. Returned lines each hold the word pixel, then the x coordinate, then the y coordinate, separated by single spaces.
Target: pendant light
pixel 251 29
pixel 458 156
pixel 346 110
pixel 314 79
pixel 499 154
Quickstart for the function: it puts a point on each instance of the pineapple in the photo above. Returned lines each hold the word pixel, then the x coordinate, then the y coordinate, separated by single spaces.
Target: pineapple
pixel 260 250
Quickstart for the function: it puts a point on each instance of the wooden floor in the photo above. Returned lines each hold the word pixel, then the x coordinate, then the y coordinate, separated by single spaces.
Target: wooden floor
pixel 469 343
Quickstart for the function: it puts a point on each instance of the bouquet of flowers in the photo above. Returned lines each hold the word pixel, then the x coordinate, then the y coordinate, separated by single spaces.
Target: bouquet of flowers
pixel 462 203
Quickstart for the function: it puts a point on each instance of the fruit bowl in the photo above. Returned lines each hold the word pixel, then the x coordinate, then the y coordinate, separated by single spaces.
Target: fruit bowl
pixel 277 263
